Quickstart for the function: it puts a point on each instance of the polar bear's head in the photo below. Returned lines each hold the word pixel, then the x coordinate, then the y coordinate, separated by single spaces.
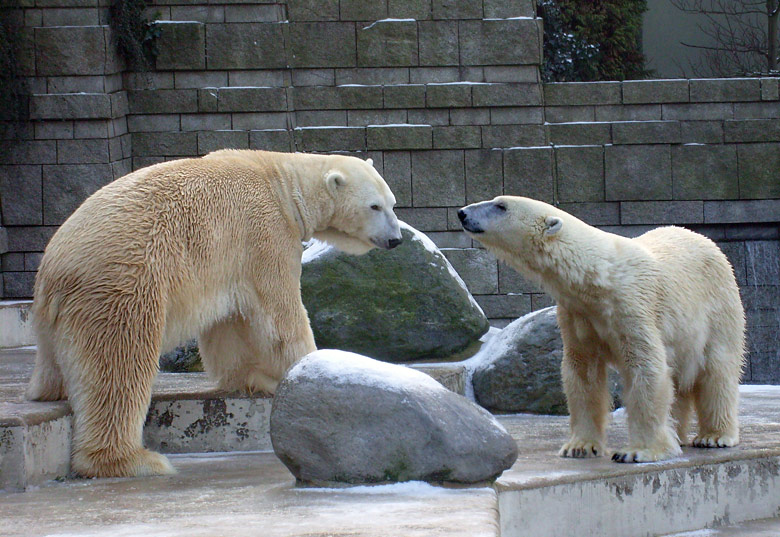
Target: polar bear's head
pixel 528 234
pixel 363 216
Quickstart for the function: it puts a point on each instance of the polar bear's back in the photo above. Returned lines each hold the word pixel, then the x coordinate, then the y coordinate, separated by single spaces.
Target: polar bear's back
pixel 699 304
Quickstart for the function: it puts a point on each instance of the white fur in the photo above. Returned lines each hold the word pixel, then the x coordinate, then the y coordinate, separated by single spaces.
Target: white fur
pixel 207 247
pixel 663 308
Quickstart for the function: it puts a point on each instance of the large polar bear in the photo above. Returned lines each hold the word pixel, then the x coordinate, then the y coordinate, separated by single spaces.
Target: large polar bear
pixel 662 308
pixel 208 247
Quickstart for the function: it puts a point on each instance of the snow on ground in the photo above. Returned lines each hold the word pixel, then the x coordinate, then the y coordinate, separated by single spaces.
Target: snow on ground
pixel 408 488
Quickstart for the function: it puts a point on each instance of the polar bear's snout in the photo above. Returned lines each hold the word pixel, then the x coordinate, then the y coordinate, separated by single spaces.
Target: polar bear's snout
pixel 468 221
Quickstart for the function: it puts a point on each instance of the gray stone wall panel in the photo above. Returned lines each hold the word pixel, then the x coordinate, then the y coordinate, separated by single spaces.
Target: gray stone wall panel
pixel 65 187
pixel 646 132
pixel 271 140
pixel 398 175
pixel 655 91
pixel 484 174
pixel 246 46
pixel 21 195
pixel 758 170
pixel 518 37
pixel 725 89
pixel 172 54
pixel 399 137
pixel 438 178
pixel 322 44
pixel 642 172
pixel 70 50
pixel 389 43
pixel 582 93
pixel 529 172
pixel 580 172
pixel 438 43
pixel 704 172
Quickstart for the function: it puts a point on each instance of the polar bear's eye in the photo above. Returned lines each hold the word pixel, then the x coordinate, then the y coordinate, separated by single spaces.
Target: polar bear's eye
pixel 375 207
pixel 501 206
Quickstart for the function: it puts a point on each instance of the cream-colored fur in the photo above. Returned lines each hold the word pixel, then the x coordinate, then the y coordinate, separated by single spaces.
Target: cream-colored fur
pixel 207 247
pixel 662 308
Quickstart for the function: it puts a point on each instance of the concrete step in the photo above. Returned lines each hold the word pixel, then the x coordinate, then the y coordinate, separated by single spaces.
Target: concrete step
pixel 187 415
pixel 541 495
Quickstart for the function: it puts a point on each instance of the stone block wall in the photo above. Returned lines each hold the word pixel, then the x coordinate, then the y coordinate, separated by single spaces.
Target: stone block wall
pixel 444 95
pixel 76 140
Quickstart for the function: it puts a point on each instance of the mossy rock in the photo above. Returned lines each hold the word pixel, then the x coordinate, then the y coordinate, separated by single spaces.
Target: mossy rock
pixel 399 305
pixel 184 359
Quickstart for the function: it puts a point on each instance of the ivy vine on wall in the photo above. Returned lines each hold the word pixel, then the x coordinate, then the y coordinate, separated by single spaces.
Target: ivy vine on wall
pixel 592 40
pixel 135 33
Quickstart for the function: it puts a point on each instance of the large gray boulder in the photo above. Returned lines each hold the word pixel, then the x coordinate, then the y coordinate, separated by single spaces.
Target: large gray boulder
pixel 400 305
pixel 519 369
pixel 342 417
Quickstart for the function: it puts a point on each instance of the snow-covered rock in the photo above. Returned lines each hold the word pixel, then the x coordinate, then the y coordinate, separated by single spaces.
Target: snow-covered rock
pixel 519 369
pixel 400 305
pixel 342 417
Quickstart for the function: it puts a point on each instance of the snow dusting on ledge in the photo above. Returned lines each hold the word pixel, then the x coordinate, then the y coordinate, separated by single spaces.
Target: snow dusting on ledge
pixel 344 367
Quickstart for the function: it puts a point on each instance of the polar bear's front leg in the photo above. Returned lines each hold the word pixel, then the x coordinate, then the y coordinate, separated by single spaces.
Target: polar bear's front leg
pixel 649 392
pixel 587 396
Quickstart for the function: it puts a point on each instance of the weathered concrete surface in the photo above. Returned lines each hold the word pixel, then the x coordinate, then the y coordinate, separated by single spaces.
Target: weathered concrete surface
pixel 15 323
pixel 541 495
pixel 243 494
pixel 544 495
pixel 767 527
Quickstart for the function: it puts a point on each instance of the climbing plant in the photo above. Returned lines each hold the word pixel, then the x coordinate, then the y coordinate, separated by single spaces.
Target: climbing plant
pixel 135 33
pixel 592 39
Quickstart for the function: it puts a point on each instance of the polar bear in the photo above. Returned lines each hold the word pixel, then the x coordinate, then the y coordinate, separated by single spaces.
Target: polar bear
pixel 207 246
pixel 662 308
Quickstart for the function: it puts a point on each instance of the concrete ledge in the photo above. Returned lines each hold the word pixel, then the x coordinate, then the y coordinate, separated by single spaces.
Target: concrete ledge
pixel 16 323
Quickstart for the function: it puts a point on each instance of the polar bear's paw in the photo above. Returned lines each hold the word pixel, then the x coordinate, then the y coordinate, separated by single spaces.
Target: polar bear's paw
pixel 715 440
pixel 646 455
pixel 579 449
pixel 140 462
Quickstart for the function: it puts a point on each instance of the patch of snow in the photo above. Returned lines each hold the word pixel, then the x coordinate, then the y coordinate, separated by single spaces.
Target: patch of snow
pixel 408 488
pixel 387 20
pixel 327 127
pixel 767 389
pixel 314 249
pixel 348 367
pixel 399 125
pixel 696 533
pixel 461 83
pixel 509 19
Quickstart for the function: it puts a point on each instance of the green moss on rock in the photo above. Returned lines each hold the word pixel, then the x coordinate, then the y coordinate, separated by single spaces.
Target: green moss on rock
pixel 399 305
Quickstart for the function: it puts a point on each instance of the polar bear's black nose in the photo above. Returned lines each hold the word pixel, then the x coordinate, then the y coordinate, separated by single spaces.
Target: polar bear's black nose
pixel 392 243
pixel 461 215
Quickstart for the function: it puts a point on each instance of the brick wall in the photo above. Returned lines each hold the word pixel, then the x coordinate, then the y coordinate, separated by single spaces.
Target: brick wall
pixel 444 96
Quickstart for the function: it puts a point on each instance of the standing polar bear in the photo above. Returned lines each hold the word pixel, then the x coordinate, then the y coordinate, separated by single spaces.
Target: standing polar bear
pixel 208 247
pixel 663 308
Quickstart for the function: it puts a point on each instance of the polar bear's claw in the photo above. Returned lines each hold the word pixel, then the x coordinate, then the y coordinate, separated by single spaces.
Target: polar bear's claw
pixel 714 441
pixel 578 449
pixel 646 455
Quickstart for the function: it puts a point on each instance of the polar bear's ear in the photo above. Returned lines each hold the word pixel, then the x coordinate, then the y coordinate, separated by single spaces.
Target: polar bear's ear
pixel 334 180
pixel 552 225
pixel 370 161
